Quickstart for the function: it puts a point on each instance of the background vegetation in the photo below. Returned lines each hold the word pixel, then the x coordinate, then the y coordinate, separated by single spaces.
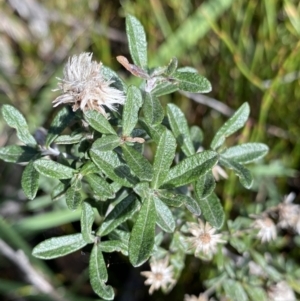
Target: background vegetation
pixel 249 50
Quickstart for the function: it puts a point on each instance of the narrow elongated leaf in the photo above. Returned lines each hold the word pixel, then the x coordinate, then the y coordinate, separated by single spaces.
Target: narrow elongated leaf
pixel 59 123
pixel 212 210
pixel 234 290
pixel 190 169
pixel 86 222
pixel 136 41
pixel 73 198
pixel 242 172
pixel 196 136
pixel 154 131
pixel 53 169
pixel 30 181
pixel 59 246
pixel 192 206
pixel 109 163
pixel 16 120
pixel 163 159
pixel 245 153
pixel 142 236
pixel 97 264
pixel 69 139
pixel 132 105
pixel 180 129
pixel 122 212
pixel 17 153
pixel 110 246
pixel 236 122
pixel 256 292
pixel 98 274
pixel 164 217
pixel 107 143
pixel 163 87
pixel 192 82
pixel 153 111
pixel 100 187
pixel 205 186
pixel 172 66
pixel 170 198
pixel 138 163
pixel 98 122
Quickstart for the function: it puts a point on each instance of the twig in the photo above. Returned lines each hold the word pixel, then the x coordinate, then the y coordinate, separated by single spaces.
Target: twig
pixel 34 277
pixel 210 102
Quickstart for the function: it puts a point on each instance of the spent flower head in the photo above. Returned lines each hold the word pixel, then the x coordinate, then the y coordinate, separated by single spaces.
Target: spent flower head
pixel 267 229
pixel 160 276
pixel 84 86
pixel 289 214
pixel 204 239
pixel 281 292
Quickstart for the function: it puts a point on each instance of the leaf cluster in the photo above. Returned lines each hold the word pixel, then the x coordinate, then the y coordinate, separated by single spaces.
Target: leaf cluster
pixel 104 168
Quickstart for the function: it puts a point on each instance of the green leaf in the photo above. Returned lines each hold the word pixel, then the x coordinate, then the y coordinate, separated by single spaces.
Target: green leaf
pixel 256 292
pixel 17 154
pixel 246 153
pixel 192 206
pixel 89 168
pixel 142 189
pixel 138 163
pixel 163 87
pixel 59 123
pixel 236 122
pixel 110 75
pixel 205 186
pixel 122 212
pixel 212 210
pixel 170 198
pixel 131 108
pixel 192 82
pixel 234 290
pixel 136 41
pixel 53 169
pixel 100 187
pixel 110 246
pixel 73 198
pixel 163 159
pixel 190 169
pixel 164 217
pixel 107 143
pixel 69 139
pixel 98 122
pixel 86 222
pixel 142 236
pixel 154 131
pixel 180 129
pixel 98 274
pixel 113 167
pixel 196 136
pixel 59 246
pixel 30 181
pixel 153 111
pixel 242 172
pixel 16 120
pixel 172 66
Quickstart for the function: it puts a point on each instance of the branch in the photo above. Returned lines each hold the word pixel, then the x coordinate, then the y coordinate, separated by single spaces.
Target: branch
pixel 34 277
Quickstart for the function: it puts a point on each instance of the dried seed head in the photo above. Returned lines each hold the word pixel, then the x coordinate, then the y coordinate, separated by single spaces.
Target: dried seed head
pixel 84 86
